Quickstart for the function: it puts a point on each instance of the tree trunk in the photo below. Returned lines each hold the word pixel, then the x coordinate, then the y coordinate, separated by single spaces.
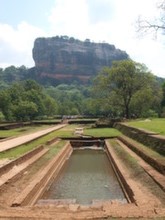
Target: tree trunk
pixel 127 111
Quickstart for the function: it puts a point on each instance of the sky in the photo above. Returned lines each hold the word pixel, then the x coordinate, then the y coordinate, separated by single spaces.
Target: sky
pixel 110 21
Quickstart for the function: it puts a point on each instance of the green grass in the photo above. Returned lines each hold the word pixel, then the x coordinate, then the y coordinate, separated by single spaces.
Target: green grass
pixel 22 149
pixel 148 151
pixel 67 131
pixel 156 125
pixel 48 120
pixel 130 162
pixel 19 131
pixel 54 149
pixel 102 132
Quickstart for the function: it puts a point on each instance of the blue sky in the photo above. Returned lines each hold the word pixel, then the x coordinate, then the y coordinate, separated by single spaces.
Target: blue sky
pixel 112 21
pixel 34 12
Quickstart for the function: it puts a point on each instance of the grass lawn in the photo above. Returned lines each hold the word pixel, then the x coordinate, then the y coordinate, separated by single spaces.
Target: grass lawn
pixel 67 131
pixel 19 131
pixel 101 132
pixel 155 125
pixel 22 149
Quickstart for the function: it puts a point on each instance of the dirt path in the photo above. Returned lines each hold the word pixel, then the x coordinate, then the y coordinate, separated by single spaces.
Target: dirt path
pixel 8 144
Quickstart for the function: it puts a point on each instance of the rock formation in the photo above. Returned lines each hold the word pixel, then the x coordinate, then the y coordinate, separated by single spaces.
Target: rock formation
pixel 64 60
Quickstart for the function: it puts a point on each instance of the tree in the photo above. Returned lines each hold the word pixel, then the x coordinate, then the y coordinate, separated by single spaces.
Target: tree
pixel 116 87
pixel 25 101
pixel 5 104
pixel 155 25
pixel 51 106
pixel 32 85
pixel 25 111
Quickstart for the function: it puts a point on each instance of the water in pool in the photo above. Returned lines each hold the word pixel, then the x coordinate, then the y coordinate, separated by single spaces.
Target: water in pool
pixel 86 176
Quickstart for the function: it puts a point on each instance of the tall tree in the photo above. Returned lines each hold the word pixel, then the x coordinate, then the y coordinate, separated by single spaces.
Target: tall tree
pixel 116 87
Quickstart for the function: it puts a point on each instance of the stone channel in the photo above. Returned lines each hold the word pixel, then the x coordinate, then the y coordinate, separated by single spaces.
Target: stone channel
pixel 83 175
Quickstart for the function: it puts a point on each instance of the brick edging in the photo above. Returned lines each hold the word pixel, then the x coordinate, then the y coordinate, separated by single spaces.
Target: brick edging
pixel 19 160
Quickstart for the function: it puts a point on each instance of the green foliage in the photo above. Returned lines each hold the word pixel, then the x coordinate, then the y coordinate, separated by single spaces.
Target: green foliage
pixel 126 89
pixel 150 114
pixel 12 73
pixel 1 116
pixel 25 101
pixel 25 111
pixel 70 99
pixel 163 100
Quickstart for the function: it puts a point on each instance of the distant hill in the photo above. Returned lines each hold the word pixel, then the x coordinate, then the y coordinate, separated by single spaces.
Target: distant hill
pixel 66 60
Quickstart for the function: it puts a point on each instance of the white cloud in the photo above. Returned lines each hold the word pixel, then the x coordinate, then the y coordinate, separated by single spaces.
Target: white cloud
pixel 112 21
pixel 69 18
pixel 16 44
pixel 145 49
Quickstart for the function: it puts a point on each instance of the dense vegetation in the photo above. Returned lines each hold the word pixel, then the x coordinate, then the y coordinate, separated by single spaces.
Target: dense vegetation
pixel 26 101
pixel 127 89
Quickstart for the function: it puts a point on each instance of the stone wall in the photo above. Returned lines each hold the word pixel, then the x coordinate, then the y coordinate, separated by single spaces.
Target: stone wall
pixel 150 139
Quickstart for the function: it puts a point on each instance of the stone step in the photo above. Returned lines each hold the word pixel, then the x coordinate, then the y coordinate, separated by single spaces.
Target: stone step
pixel 17 169
pixel 155 175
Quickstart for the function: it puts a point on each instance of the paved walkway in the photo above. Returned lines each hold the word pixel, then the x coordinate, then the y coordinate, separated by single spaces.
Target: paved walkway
pixel 8 144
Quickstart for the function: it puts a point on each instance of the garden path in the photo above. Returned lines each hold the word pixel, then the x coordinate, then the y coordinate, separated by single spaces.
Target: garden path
pixel 14 142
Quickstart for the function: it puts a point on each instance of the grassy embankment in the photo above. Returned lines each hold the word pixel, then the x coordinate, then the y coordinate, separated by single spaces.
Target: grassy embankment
pixel 136 171
pixel 156 125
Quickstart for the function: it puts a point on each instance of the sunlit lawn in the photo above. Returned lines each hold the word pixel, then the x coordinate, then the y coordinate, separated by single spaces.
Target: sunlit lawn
pixel 67 132
pixel 22 130
pixel 22 149
pixel 101 132
pixel 155 125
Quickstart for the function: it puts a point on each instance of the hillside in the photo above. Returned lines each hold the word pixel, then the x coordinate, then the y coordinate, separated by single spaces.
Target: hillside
pixel 65 60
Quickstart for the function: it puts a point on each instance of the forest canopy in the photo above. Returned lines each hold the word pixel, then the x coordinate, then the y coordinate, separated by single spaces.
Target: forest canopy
pixel 127 89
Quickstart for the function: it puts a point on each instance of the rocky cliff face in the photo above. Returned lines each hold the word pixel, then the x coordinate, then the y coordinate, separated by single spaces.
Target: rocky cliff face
pixel 64 59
